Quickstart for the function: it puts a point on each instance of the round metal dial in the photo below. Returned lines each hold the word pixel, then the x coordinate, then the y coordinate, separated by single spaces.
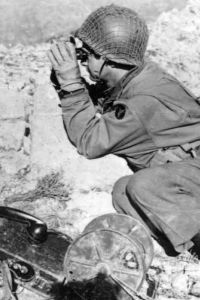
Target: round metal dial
pixel 129 226
pixel 108 257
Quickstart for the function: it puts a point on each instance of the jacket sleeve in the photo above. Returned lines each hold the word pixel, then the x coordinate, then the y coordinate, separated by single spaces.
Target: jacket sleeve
pixel 96 136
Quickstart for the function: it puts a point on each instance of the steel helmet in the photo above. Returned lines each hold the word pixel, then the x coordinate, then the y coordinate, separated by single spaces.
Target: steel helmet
pixel 115 33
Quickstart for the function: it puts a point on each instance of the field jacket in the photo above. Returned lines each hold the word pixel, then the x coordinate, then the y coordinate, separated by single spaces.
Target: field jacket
pixel 158 113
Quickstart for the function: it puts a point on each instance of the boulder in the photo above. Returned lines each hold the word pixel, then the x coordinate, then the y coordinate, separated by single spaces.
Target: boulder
pixel 12 162
pixel 50 149
pixel 12 120
pixel 50 18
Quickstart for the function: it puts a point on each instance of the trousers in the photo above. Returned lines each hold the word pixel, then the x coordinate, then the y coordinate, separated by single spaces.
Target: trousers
pixel 165 198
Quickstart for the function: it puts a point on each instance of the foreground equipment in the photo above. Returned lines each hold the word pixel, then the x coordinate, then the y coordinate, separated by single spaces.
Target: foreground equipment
pixel 114 251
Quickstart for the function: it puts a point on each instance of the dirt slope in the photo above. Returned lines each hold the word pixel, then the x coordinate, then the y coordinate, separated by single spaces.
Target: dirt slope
pixel 28 21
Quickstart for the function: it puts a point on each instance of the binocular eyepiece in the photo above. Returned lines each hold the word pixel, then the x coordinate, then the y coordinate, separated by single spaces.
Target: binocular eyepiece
pixel 81 55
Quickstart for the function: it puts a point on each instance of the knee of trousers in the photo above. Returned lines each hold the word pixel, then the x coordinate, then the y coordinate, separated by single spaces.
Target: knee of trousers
pixel 119 191
pixel 144 183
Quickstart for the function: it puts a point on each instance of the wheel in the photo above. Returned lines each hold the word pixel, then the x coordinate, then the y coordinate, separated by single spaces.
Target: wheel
pixel 104 261
pixel 128 226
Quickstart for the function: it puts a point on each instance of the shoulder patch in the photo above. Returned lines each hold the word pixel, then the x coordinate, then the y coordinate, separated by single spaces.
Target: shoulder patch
pixel 120 111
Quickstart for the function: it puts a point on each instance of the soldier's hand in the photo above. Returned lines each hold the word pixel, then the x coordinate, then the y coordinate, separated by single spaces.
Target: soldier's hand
pixel 63 59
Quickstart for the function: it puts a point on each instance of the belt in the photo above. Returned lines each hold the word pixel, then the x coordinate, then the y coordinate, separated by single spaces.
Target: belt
pixel 177 153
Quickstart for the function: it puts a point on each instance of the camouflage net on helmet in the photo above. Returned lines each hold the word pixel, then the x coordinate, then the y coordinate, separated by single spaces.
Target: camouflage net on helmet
pixel 116 33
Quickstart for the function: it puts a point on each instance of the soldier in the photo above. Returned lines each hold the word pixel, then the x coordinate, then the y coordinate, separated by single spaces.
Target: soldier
pixel 147 117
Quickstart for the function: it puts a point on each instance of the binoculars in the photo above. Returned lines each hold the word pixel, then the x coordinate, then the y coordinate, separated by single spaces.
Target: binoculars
pixel 81 55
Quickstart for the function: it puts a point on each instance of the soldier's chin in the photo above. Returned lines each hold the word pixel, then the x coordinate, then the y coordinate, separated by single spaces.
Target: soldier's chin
pixel 94 78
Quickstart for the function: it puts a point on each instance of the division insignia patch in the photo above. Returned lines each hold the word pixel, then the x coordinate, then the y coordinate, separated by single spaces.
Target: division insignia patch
pixel 120 111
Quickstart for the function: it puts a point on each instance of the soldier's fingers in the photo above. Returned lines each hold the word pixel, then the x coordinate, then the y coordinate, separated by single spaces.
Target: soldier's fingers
pixel 52 59
pixel 56 53
pixel 71 50
pixel 63 50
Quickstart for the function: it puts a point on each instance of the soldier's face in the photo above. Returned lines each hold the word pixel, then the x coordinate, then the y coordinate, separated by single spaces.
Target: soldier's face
pixel 94 65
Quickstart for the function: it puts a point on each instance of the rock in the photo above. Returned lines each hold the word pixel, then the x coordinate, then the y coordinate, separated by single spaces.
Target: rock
pixel 93 204
pixel 50 18
pixel 180 283
pixel 12 116
pixel 98 175
pixel 195 289
pixel 11 134
pixel 12 162
pixel 11 104
pixel 174 44
pixel 50 148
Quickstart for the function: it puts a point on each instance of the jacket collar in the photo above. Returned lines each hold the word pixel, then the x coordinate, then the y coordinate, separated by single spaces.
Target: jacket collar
pixel 113 94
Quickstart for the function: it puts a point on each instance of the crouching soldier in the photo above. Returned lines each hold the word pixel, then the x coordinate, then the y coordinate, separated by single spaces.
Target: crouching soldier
pixel 146 116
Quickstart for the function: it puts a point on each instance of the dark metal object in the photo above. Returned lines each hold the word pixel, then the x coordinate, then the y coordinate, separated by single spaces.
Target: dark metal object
pixel 130 227
pixel 36 265
pixel 115 246
pixel 36 229
pixel 81 55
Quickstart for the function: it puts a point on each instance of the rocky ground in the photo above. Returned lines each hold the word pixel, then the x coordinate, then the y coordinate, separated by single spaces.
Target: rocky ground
pixel 26 22
pixel 41 172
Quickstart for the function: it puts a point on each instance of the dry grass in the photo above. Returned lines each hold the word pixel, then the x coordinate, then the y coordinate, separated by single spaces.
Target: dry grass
pixel 50 186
